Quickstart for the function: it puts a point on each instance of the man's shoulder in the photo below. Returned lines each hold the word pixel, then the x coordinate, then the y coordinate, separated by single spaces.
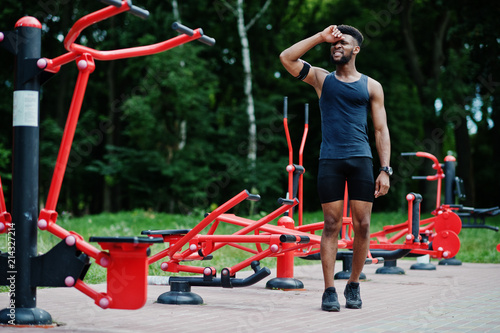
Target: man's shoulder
pixel 373 85
pixel 322 72
pixel 375 89
pixel 371 80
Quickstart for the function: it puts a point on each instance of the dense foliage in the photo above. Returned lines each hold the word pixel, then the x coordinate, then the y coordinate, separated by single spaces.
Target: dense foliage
pixel 169 132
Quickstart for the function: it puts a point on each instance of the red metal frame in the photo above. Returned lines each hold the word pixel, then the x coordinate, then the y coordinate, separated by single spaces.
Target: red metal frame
pixel 5 218
pixel 291 167
pixel 118 254
pixel 438 176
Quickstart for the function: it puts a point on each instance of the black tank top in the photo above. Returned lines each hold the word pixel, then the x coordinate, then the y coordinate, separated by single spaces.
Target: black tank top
pixel 344 111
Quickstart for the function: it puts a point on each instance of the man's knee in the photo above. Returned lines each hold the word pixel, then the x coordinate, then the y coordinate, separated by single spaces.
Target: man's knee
pixel 331 226
pixel 362 228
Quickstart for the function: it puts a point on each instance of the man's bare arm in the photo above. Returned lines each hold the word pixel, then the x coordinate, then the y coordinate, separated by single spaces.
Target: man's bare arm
pixel 290 58
pixel 382 137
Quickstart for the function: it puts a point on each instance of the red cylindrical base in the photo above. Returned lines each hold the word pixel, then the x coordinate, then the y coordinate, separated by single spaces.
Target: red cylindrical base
pixel 286 260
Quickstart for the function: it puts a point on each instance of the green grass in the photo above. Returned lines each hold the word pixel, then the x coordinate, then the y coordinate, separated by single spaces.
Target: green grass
pixel 477 245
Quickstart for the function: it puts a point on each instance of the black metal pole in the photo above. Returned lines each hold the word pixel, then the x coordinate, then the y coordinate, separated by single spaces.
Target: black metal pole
pixel 449 179
pixel 22 309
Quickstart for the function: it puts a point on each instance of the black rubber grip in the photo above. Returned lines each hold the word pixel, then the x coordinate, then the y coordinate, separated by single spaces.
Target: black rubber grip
pixel 252 197
pixel 125 239
pixel 457 206
pixel 299 169
pixel 285 107
pixel 304 240
pixel 225 282
pixel 139 12
pixel 419 177
pixel 294 239
pixel 306 113
pixel 288 238
pixel 252 279
pixel 207 40
pixel 165 232
pixel 116 3
pixel 282 201
pixel 182 29
pixel 134 10
pixel 408 154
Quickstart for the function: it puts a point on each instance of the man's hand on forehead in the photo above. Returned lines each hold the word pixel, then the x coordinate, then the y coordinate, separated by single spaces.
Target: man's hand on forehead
pixel 331 34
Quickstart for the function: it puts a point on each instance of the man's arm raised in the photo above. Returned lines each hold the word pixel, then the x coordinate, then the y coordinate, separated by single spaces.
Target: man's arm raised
pixel 290 58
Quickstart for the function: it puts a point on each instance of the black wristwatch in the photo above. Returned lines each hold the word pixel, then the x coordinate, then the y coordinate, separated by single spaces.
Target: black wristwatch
pixel 387 169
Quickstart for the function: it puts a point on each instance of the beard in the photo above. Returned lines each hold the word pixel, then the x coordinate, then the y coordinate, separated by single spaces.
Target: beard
pixel 342 61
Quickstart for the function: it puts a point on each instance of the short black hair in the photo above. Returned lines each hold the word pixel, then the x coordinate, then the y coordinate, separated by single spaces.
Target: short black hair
pixel 352 31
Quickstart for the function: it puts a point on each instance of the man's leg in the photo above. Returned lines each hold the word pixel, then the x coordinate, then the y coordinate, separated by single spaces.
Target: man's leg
pixel 361 214
pixel 332 212
pixel 329 245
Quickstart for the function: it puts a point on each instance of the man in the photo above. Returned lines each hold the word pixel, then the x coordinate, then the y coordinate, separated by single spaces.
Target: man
pixel 345 97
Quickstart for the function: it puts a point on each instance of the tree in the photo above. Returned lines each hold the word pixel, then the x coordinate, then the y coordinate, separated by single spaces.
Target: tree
pixel 425 62
pixel 239 13
pixel 173 132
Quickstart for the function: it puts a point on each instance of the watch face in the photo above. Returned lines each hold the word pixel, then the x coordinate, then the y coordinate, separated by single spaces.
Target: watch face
pixel 387 169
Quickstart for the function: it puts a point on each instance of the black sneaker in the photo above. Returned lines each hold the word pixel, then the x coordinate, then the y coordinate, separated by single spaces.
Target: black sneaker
pixel 352 296
pixel 330 301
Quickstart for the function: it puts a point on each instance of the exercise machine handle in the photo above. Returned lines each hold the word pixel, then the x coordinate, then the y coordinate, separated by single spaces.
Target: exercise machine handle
pixel 252 197
pixel 420 177
pixel 116 3
pixel 306 113
pixel 285 107
pixel 134 10
pixel 182 29
pixel 294 239
pixel 226 281
pixel 252 279
pixel 139 12
pixel 190 32
pixel 282 201
pixel 425 155
pixel 436 165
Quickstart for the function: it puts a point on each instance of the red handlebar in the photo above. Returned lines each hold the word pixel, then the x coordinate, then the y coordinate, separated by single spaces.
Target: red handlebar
pixel 75 50
pixel 436 165
pixel 90 19
pixel 438 176
pixel 136 51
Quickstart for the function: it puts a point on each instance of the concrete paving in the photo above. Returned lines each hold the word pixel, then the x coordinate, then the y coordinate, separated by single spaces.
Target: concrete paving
pixel 462 298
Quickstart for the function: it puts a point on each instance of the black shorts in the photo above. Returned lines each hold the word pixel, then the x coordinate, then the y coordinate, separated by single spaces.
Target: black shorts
pixel 358 172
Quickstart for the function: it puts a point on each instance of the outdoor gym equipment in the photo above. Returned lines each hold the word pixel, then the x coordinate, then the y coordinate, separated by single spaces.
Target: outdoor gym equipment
pixel 468 217
pixel 454 188
pixel 441 230
pixel 125 258
pixel 418 235
pixel 454 191
pixel 381 247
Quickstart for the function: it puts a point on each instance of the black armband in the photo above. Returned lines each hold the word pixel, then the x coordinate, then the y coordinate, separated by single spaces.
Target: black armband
pixel 305 70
